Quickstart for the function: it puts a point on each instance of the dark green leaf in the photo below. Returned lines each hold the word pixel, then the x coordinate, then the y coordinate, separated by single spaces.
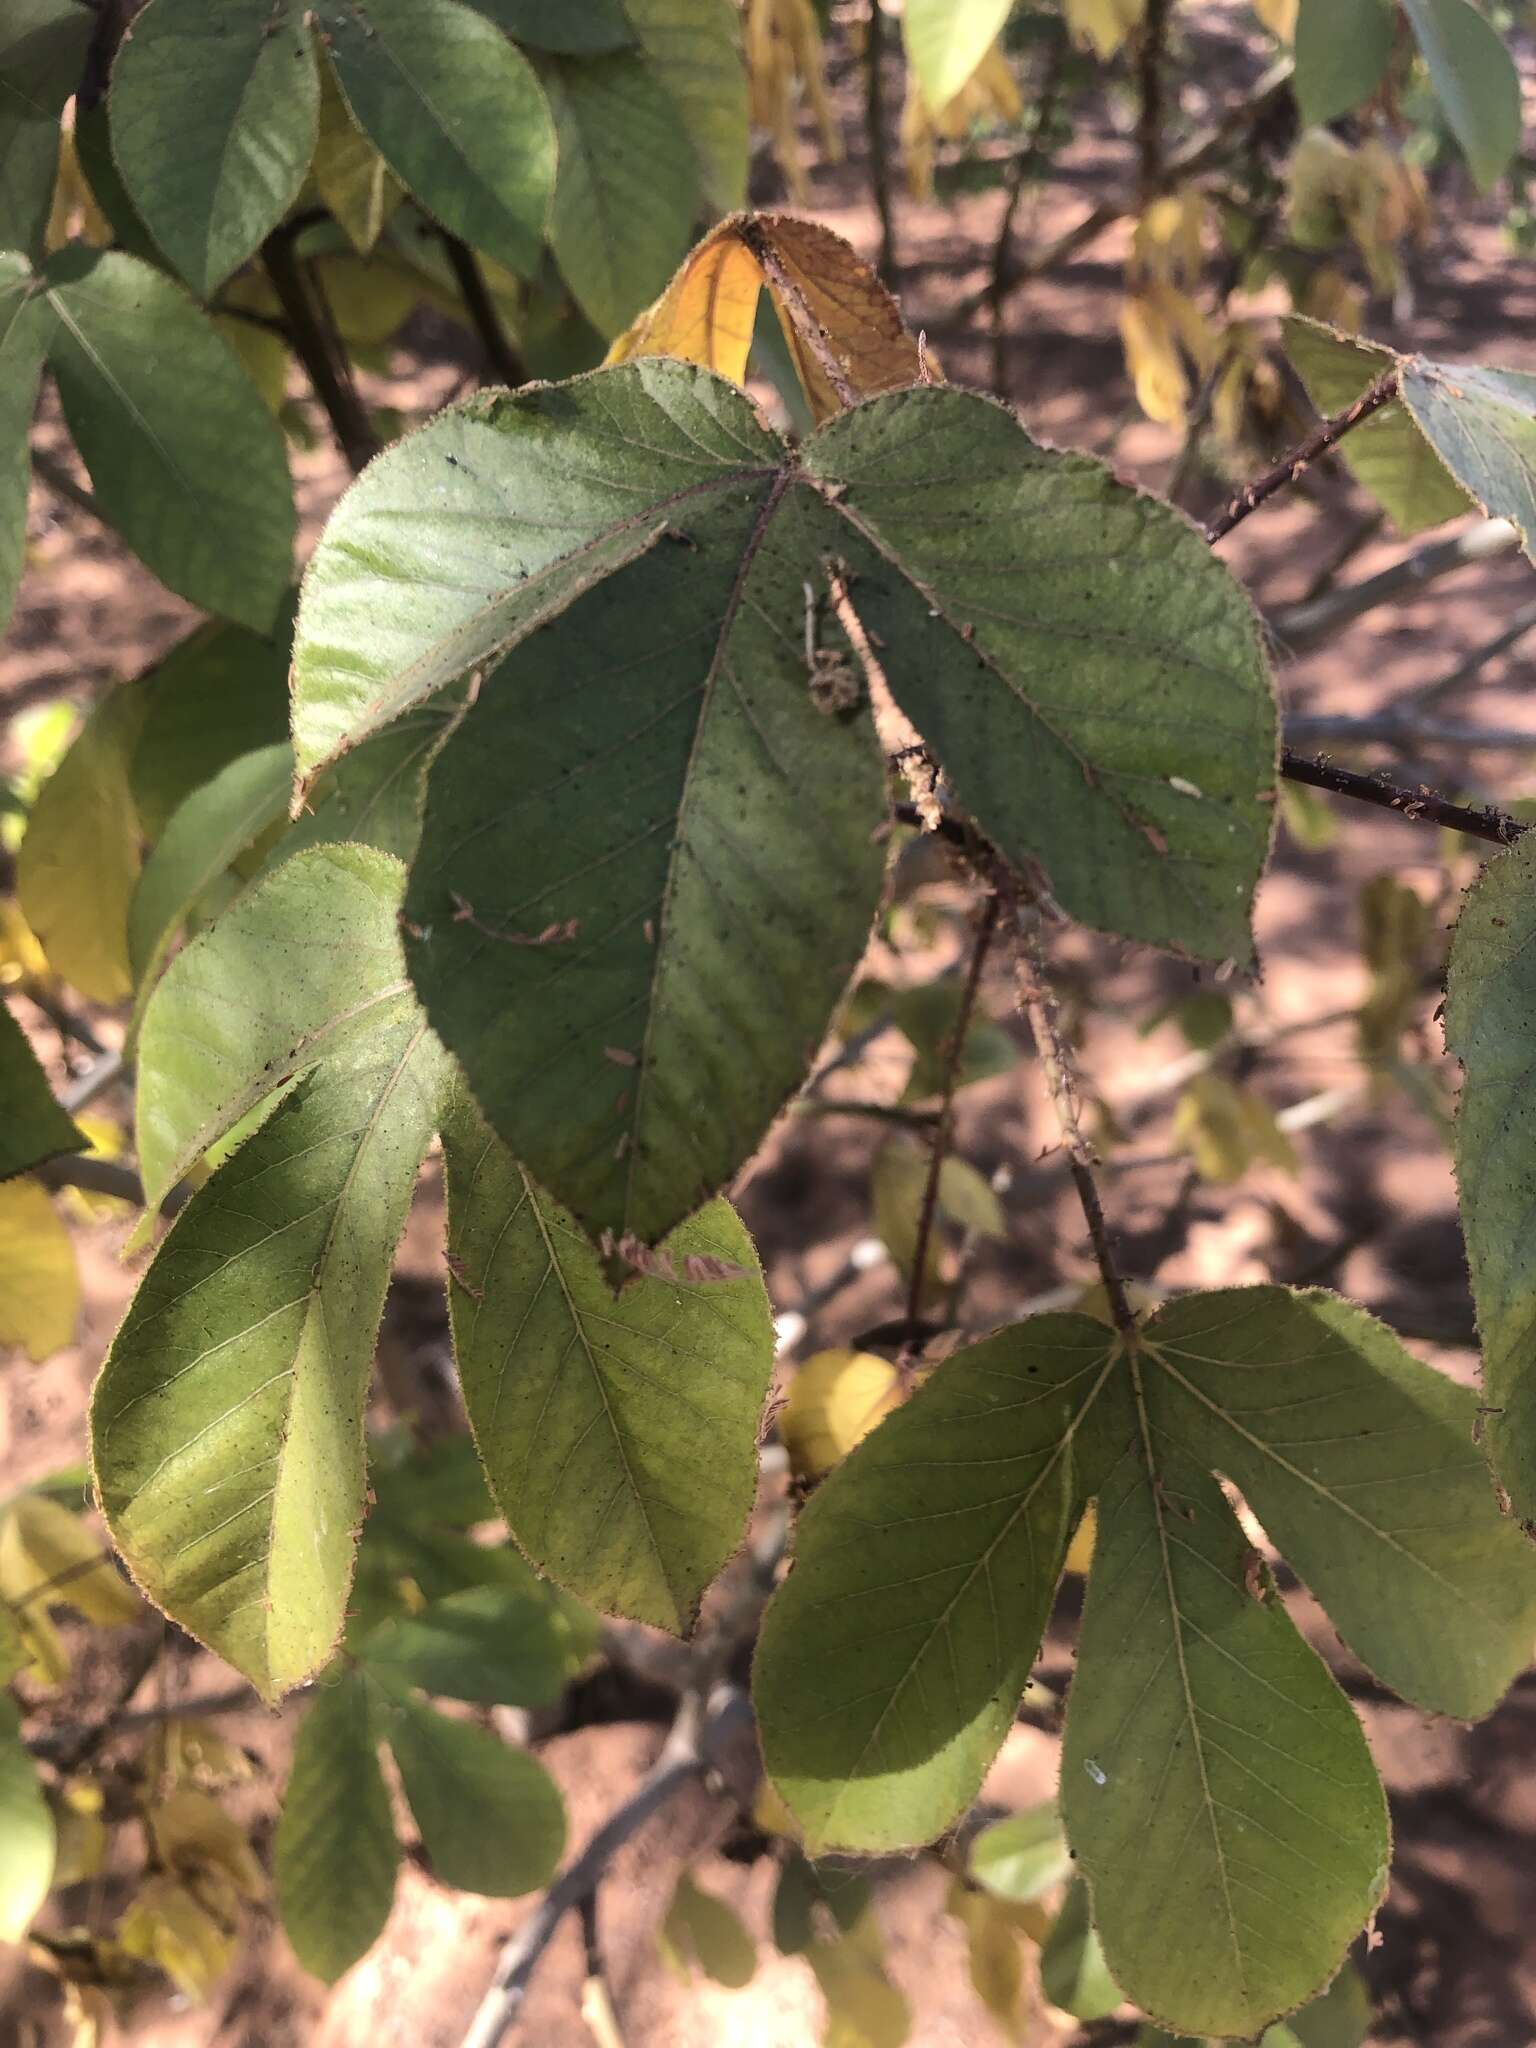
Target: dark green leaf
pixel 694 47
pixel 200 492
pixel 1342 48
pixel 42 55
pixel 373 796
pixel 627 189
pixel 1475 79
pixel 455 111
pixel 810 1900
pixel 490 1817
pixel 586 30
pixel 441 1482
pixel 1482 425
pixel 492 1644
pixel 335 1854
pixel 33 1126
pixel 1386 453
pixel 215 106
pixel 1073 1973
pixel 203 836
pixel 620 1435
pixel 25 326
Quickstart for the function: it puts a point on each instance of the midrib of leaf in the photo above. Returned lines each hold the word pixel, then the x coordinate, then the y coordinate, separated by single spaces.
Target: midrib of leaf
pixel 121 395
pixel 1160 1353
pixel 1176 1623
pixel 984 1561
pixel 782 479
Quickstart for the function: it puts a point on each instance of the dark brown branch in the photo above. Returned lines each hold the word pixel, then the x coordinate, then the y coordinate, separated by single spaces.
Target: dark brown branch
pixel 1149 78
pixel 481 308
pixel 1422 805
pixel 944 1131
pixel 875 139
pixel 328 370
pixel 1289 467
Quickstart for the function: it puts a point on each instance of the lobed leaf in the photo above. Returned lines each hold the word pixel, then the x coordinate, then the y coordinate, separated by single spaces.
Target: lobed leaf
pixel 619 1434
pixel 214 108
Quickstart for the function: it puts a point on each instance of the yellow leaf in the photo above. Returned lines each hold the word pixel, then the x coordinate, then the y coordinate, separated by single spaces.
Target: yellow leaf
pixel 864 2008
pixel 50 1558
pixel 784 58
pixel 264 354
pixel 206 1847
pixel 996 1959
pixel 1103 25
pixel 22 959
pixel 74 216
pixel 351 177
pixel 86 1205
pixel 706 314
pixel 81 1831
pixel 991 93
pixel 369 300
pixel 835 1400
pixel 1279 17
pixel 1226 1129
pixel 1080 1549
pixel 1152 357
pixel 167 1926
pixel 1169 239
pixel 189 1752
pixel 79 860
pixel 701 1929
pixel 39 1286
pixel 771 1814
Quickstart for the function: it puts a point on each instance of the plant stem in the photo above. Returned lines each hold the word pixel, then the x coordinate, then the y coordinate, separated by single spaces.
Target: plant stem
pixel 1020 174
pixel 1301 627
pixel 1289 467
pixel 481 308
pixel 1149 124
pixel 1422 805
pixel 874 133
pixel 944 1132
pixel 328 371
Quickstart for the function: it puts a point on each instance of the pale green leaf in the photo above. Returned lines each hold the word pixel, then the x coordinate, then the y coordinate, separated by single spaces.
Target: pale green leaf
pixel 42 56
pixel 701 1928
pixel 1482 425
pixel 200 492
pixel 27 1839
pixel 1342 48
pixel 891 1661
pixel 586 30
pixel 1022 1856
pixel 947 39
pixel 1073 1973
pixel 79 861
pixel 1475 79
pixel 1491 990
pixel 335 1854
pixel 214 109
pixel 455 111
pixel 619 1434
pixel 33 1125
pixel 627 189
pixel 1387 453
pixel 304 967
pixel 202 837
pixel 25 326
pixel 39 1281
pixel 694 47
pixel 490 1817
pixel 491 1644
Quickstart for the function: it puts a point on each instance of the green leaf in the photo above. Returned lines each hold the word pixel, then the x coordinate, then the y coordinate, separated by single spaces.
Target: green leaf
pixel 591 29
pixel 42 55
pixel 1387 454
pixel 1482 425
pixel 373 796
pixel 1021 1857
pixel 806 1891
pixel 25 325
pixel 455 111
pixel 491 1644
pixel 219 693
pixel 946 39
pixel 1490 989
pixel 304 968
pixel 1087 673
pixel 335 1855
pixel 491 1819
pixel 199 492
pixel 79 861
pixel 885 1679
pixel 27 1840
pixel 1475 80
pixel 627 190
pixel 702 1929
pixel 1073 1973
pixel 202 838
pixel 1342 48
pixel 33 1126
pixel 215 108
pixel 619 1434
pixel 694 47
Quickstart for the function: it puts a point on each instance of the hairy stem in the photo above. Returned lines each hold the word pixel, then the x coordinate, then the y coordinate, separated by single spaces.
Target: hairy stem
pixel 875 138
pixel 1289 467
pixel 1422 805
pixel 481 308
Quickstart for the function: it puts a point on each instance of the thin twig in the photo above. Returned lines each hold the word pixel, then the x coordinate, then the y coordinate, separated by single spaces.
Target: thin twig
pixel 1300 627
pixel 944 1131
pixel 1289 467
pixel 875 139
pixel 1421 805
pixel 96 1080
pixel 481 308
pixel 328 370
pixel 802 319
